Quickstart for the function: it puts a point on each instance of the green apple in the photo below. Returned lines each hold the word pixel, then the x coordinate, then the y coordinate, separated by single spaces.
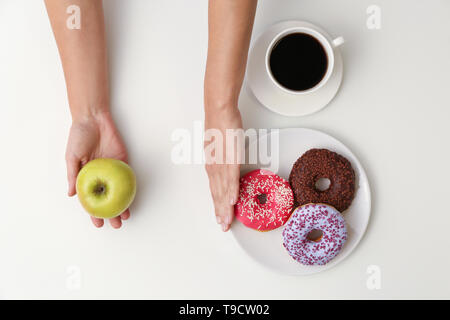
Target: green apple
pixel 106 187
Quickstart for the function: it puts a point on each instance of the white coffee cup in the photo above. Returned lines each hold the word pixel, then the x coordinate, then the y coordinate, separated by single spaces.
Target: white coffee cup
pixel 327 43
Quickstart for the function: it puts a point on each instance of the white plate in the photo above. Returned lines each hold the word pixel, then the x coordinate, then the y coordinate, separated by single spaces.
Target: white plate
pixel 267 247
pixel 278 100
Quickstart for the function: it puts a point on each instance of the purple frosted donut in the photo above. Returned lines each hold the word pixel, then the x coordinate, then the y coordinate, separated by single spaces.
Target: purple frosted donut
pixel 309 219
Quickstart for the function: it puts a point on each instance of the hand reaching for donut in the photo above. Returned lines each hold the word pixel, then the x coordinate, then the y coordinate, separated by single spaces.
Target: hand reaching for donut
pixel 223 177
pixel 230 26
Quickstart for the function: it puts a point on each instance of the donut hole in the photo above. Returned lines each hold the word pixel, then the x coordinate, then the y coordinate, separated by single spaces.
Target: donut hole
pixel 315 235
pixel 322 184
pixel 262 198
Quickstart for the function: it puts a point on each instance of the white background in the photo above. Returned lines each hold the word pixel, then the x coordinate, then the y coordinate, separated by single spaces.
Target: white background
pixel 393 111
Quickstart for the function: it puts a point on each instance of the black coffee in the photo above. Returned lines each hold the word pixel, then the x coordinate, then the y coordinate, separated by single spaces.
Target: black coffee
pixel 298 61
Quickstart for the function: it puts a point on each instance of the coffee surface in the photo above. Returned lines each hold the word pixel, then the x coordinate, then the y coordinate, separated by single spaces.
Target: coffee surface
pixel 298 62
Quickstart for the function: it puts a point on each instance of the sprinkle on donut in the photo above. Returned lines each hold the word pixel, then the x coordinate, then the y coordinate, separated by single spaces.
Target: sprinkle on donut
pixel 311 217
pixel 265 200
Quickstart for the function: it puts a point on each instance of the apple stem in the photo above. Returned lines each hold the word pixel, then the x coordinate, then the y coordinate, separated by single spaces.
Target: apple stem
pixel 100 189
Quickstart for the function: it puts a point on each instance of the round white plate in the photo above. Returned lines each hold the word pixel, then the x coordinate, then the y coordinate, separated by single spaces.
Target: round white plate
pixel 267 247
pixel 278 100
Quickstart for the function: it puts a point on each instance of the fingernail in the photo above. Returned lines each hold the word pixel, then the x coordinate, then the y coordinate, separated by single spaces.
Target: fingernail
pixel 224 227
pixel 219 220
pixel 232 201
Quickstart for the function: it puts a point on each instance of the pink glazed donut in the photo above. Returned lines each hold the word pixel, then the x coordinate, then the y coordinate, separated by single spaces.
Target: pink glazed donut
pixel 265 200
pixel 309 217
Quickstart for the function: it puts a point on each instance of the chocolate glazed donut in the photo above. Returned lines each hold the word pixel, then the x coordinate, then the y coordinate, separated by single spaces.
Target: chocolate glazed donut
pixel 322 163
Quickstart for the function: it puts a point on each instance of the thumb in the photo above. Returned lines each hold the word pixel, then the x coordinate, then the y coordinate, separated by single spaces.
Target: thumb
pixel 73 167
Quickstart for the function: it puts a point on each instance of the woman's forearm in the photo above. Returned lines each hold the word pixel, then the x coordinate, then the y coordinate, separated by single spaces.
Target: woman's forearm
pixel 83 56
pixel 230 28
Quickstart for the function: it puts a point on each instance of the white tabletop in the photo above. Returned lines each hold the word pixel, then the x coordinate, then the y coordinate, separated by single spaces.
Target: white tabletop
pixel 392 111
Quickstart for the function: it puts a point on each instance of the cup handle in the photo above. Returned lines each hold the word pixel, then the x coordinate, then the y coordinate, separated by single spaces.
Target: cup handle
pixel 338 42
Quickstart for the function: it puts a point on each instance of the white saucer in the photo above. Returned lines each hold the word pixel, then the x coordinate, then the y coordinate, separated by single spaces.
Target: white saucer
pixel 278 100
pixel 267 247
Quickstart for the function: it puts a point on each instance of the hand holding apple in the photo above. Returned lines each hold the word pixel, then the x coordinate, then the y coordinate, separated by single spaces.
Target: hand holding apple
pixel 94 136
